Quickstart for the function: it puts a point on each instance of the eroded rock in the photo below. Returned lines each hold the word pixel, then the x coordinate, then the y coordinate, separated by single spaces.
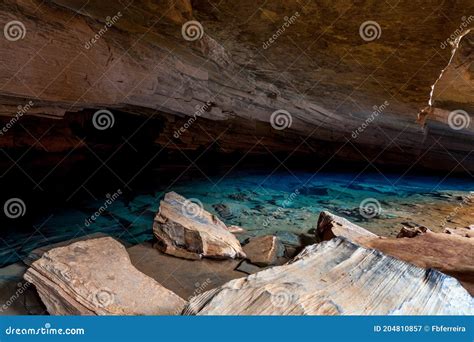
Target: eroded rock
pixel 330 226
pixel 96 277
pixel 184 229
pixel 264 250
pixel 448 253
pixel 337 277
pixel 407 232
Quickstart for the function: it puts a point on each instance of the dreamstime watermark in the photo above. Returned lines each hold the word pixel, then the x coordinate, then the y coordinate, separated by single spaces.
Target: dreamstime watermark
pixel 465 201
pixel 199 288
pixel 465 22
pixel 377 111
pixel 370 30
pixel 22 110
pixel 286 24
pixel 109 22
pixel 199 111
pixel 108 202
pixel 103 298
pixel 103 119
pixel 459 119
pixel 14 208
pixel 283 297
pixel 281 119
pixel 286 203
pixel 192 30
pixel 46 330
pixel 22 287
pixel 192 208
pixel 14 30
pixel 370 208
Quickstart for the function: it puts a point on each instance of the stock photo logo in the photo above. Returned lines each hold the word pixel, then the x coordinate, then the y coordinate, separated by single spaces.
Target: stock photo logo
pixel 283 297
pixel 14 31
pixel 103 119
pixel 103 298
pixel 281 119
pixel 192 30
pixel 192 208
pixel 370 30
pixel 370 208
pixel 459 119
pixel 14 208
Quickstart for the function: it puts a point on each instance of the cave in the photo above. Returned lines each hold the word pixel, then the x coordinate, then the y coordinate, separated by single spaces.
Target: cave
pixel 274 120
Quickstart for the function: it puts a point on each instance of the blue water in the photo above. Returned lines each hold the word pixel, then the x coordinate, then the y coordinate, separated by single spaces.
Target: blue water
pixel 286 204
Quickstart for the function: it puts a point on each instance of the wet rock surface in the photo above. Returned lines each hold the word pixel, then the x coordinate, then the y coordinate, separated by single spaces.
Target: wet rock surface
pixel 337 277
pixel 96 277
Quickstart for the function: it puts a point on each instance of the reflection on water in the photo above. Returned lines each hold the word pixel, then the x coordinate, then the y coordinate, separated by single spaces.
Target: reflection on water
pixel 286 204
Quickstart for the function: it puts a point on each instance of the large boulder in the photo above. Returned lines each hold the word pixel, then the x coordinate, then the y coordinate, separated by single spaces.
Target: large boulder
pixel 337 277
pixel 184 229
pixel 96 277
pixel 264 250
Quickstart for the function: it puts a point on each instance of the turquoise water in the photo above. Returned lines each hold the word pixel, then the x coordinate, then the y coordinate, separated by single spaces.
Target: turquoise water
pixel 284 204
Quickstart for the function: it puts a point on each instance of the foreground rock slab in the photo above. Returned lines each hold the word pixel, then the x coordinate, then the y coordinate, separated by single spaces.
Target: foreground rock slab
pixel 337 277
pixel 264 250
pixel 96 277
pixel 184 229
pixel 449 253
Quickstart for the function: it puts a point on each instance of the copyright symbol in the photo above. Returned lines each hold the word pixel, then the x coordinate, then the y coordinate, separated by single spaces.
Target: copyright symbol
pixel 427 328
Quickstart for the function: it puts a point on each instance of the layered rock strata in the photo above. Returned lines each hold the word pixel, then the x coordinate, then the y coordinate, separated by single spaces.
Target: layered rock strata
pixel 452 254
pixel 184 229
pixel 96 277
pixel 337 277
pixel 132 57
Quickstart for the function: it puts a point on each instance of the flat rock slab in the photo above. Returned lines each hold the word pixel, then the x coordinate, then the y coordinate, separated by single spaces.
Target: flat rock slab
pixel 96 277
pixel 337 277
pixel 450 254
pixel 38 252
pixel 184 229
pixel 184 277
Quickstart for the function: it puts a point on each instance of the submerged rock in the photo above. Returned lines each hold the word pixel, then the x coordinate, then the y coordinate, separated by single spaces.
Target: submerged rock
pixel 337 277
pixel 264 250
pixel 96 277
pixel 184 229
pixel 464 232
pixel 407 232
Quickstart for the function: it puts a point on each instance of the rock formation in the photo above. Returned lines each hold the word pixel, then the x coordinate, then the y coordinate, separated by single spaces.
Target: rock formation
pixel 448 253
pixel 80 56
pixel 330 226
pixel 96 277
pixel 264 250
pixel 337 277
pixel 184 229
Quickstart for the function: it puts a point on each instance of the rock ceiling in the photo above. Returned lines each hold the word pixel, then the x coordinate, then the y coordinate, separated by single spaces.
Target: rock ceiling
pixel 315 60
